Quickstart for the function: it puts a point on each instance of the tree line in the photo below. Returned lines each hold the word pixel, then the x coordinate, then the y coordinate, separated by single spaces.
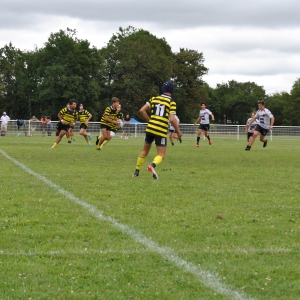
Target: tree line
pixel 132 66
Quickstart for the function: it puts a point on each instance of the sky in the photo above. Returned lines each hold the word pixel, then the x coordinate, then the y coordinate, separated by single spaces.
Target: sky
pixel 241 40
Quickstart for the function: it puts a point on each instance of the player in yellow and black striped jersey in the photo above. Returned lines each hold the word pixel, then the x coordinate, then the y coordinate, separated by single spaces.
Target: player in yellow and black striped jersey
pixel 109 118
pixel 67 116
pixel 162 109
pixel 113 130
pixel 84 118
pixel 70 134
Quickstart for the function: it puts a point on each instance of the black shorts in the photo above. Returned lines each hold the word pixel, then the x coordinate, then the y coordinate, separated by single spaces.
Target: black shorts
pixel 249 134
pixel 60 126
pixel 204 127
pixel 261 130
pixel 82 125
pixel 102 126
pixel 172 130
pixel 159 140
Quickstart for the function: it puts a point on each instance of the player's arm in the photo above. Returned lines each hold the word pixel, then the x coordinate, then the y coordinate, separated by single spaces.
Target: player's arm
pixel 59 115
pixel 88 119
pixel 197 121
pixel 246 128
pixel 272 120
pixel 212 117
pixel 143 112
pixel 108 120
pixel 175 125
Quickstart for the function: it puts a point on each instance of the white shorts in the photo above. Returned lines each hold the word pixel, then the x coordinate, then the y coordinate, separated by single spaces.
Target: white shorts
pixel 3 127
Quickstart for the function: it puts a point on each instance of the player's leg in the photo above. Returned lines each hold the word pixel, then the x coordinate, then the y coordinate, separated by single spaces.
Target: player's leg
pixel 68 135
pixel 141 158
pixel 60 136
pixel 252 140
pixel 171 138
pixel 175 136
pixel 84 133
pixel 249 134
pixel 198 137
pixel 72 135
pixel 112 134
pixel 263 139
pixel 206 133
pixel 161 149
pixel 105 136
pixel 161 153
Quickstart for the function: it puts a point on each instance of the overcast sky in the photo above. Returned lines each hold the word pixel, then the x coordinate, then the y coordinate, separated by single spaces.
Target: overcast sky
pixel 241 40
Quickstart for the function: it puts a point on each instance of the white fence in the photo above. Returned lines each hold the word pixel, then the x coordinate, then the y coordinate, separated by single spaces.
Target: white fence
pixel 217 131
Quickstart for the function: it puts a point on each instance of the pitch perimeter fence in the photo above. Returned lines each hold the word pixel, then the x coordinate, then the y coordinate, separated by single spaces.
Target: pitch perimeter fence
pixel 217 131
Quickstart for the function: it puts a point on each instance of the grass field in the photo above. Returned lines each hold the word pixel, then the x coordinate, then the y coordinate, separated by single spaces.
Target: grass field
pixel 220 223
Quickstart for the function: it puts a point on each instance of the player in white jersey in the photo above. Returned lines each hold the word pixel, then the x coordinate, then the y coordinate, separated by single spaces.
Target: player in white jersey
pixel 172 131
pixel 265 123
pixel 249 130
pixel 204 123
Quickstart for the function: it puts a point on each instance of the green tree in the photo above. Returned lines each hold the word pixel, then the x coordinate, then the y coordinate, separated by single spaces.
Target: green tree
pixel 68 68
pixel 2 91
pixel 15 81
pixel 136 65
pixel 278 104
pixel 188 75
pixel 238 99
pixel 213 104
pixel 292 111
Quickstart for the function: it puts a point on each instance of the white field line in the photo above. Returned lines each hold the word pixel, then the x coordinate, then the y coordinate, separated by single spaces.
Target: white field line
pixel 206 277
pixel 138 251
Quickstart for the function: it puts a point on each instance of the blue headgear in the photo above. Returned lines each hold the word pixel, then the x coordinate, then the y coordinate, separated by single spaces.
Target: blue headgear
pixel 168 87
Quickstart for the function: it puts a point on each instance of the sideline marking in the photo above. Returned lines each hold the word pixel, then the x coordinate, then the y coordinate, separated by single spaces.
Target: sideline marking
pixel 138 251
pixel 206 277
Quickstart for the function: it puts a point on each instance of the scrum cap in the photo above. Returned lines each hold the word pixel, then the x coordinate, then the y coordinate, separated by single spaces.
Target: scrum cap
pixel 168 87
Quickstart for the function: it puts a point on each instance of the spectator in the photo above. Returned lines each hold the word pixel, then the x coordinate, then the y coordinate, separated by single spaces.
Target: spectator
pixel 43 124
pixel 4 122
pixel 33 124
pixel 126 127
pixel 49 126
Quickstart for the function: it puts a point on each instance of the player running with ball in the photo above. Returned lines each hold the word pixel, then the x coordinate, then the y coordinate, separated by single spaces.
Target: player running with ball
pixel 108 120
